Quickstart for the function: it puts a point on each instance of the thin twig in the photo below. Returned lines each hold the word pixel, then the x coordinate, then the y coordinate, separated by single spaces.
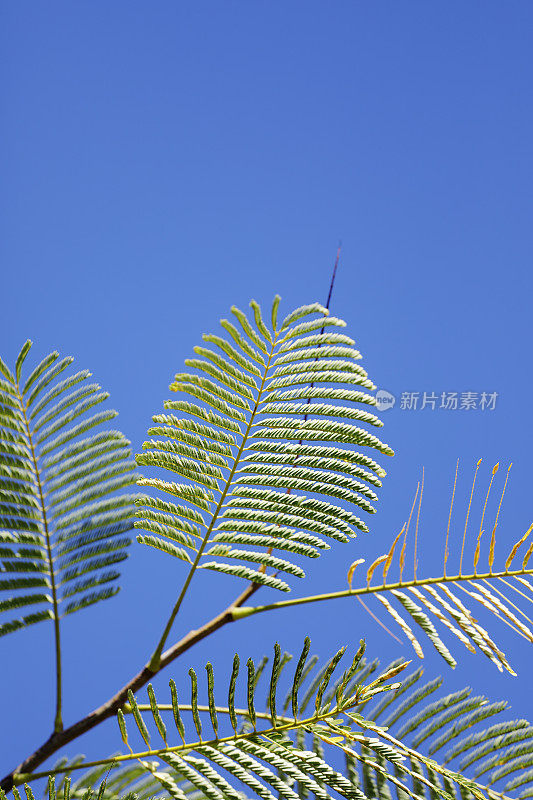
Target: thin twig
pixel 415 564
pixel 467 517
pixel 369 590
pixel 450 519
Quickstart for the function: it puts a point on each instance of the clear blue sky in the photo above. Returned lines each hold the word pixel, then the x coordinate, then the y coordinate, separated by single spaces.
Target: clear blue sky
pixel 161 161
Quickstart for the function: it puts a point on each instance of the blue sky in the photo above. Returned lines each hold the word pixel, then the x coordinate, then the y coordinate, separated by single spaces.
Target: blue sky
pixel 162 161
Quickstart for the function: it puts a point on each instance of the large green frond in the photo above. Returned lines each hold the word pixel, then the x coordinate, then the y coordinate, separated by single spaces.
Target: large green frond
pixel 63 510
pixel 254 457
pixel 397 738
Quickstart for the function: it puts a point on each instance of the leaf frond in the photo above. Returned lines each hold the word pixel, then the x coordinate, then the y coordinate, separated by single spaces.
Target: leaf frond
pixel 228 443
pixel 59 492
pixel 213 750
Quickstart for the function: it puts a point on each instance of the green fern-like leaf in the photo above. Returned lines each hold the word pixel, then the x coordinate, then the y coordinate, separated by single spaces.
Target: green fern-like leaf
pixel 63 513
pixel 392 735
pixel 236 443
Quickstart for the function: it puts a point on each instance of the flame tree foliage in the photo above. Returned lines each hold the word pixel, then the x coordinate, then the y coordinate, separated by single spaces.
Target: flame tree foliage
pixel 267 454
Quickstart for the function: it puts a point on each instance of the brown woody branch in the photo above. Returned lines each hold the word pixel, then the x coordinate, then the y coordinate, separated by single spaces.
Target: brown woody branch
pixel 57 740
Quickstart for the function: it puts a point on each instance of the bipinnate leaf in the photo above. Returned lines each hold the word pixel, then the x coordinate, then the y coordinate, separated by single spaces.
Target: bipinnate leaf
pixel 65 511
pixel 269 443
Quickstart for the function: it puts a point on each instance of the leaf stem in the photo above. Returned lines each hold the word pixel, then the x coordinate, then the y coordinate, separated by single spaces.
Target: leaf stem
pixel 58 721
pixel 154 662
pixel 246 611
pixel 288 724
pixel 240 712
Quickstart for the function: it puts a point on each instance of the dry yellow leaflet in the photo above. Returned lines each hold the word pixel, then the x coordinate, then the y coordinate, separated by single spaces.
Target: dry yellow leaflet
pixel 516 547
pixel 373 567
pixel 476 554
pixel 493 536
pixel 402 553
pixel 446 551
pixel 481 531
pixel 390 556
pixel 468 516
pixel 352 569
pixel 528 554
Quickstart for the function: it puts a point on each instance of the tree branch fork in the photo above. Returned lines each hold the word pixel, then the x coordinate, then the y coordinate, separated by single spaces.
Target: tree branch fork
pixel 62 736
pixel 59 739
